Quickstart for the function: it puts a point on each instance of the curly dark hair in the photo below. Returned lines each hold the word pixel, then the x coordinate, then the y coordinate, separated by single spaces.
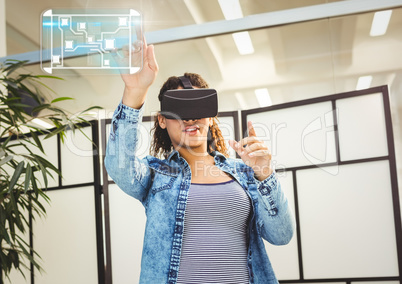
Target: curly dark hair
pixel 162 145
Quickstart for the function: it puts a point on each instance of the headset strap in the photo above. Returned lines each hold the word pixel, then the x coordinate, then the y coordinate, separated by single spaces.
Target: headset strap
pixel 186 82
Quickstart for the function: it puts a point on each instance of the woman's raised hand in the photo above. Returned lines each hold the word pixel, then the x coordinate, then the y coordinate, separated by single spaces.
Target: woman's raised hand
pixel 255 154
pixel 137 84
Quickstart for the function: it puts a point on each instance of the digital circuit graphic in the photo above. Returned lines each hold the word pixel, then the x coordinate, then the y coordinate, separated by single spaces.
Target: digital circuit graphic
pixel 93 42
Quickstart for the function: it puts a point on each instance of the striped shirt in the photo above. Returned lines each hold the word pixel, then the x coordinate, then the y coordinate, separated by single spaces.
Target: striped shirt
pixel 214 246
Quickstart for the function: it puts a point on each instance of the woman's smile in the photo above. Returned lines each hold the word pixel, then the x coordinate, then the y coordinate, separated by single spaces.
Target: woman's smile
pixel 191 130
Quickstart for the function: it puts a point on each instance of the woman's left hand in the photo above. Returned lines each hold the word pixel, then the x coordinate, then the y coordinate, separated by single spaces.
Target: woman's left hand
pixel 255 155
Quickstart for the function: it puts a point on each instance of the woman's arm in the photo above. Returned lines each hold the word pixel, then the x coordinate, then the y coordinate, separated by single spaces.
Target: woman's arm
pixel 136 85
pixel 274 218
pixel 131 174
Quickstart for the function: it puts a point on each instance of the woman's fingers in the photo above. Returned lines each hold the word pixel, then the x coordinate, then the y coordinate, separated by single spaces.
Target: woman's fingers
pixel 251 130
pixel 249 140
pixel 255 147
pixel 260 153
pixel 233 144
pixel 236 146
pixel 151 58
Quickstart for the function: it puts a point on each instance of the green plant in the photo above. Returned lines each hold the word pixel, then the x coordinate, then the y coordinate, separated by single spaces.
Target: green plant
pixel 23 98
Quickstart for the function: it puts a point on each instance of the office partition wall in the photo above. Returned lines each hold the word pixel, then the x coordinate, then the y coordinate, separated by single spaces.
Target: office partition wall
pixel 335 157
pixel 69 238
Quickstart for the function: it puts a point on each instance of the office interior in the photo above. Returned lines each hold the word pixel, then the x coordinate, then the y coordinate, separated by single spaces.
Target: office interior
pixel 297 63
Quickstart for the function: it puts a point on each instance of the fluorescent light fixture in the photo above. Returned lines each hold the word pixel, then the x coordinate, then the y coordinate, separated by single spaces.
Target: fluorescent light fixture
pixel 364 82
pixel 263 97
pixel 24 129
pixel 380 23
pixel 231 9
pixel 243 43
pixel 42 123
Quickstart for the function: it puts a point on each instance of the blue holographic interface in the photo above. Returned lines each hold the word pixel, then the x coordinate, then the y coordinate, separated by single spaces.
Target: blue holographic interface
pixel 91 41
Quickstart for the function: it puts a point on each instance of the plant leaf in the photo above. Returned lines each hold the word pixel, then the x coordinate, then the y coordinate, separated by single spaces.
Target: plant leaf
pixel 14 66
pixel 42 169
pixel 39 108
pixel 34 184
pixel 37 141
pixel 27 254
pixel 47 164
pixel 6 160
pixel 5 143
pixel 56 131
pixel 4 234
pixel 11 84
pixel 13 255
pixel 28 173
pixel 18 105
pixel 61 99
pixel 48 76
pixel 91 108
pixel 16 175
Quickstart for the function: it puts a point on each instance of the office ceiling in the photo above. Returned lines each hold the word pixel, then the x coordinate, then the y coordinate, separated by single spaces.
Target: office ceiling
pixel 293 62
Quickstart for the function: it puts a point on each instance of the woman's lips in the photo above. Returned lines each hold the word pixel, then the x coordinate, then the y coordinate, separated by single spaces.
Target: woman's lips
pixel 191 130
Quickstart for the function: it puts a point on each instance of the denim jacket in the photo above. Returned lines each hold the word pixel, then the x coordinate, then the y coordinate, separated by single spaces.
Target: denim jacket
pixel 162 187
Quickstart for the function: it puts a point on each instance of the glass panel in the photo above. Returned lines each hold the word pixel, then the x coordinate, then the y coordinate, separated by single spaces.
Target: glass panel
pixel 346 222
pixel 50 148
pixel 298 136
pixel 90 36
pixel 66 238
pixel 127 225
pixel 362 132
pixel 77 158
pixel 285 259
pixel 227 127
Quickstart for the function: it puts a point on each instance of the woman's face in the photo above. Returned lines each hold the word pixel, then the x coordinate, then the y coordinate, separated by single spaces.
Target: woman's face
pixel 188 134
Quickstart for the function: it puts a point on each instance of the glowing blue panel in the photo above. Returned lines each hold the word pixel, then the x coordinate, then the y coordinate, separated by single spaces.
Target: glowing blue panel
pixel 91 41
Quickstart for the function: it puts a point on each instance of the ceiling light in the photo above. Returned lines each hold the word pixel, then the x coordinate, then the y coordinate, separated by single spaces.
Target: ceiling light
pixel 231 9
pixel 263 97
pixel 42 123
pixel 380 23
pixel 243 43
pixel 364 82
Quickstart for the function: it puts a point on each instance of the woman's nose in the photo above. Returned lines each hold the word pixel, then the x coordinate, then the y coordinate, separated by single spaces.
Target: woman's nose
pixel 190 120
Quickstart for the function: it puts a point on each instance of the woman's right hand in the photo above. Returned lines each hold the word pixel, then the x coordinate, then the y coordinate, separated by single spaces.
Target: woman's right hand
pixel 137 84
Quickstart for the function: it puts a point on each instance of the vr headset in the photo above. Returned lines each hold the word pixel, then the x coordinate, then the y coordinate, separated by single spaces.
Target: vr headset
pixel 189 103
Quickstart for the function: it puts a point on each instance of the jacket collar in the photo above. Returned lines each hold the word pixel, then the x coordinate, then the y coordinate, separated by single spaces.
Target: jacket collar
pixel 173 155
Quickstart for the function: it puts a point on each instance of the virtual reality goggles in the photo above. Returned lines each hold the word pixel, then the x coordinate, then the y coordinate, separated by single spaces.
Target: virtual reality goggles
pixel 189 103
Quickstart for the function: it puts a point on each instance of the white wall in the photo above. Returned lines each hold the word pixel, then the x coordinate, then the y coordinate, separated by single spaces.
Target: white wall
pixel 3 42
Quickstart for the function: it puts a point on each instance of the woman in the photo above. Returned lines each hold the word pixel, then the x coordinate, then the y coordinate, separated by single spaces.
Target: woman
pixel 206 214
